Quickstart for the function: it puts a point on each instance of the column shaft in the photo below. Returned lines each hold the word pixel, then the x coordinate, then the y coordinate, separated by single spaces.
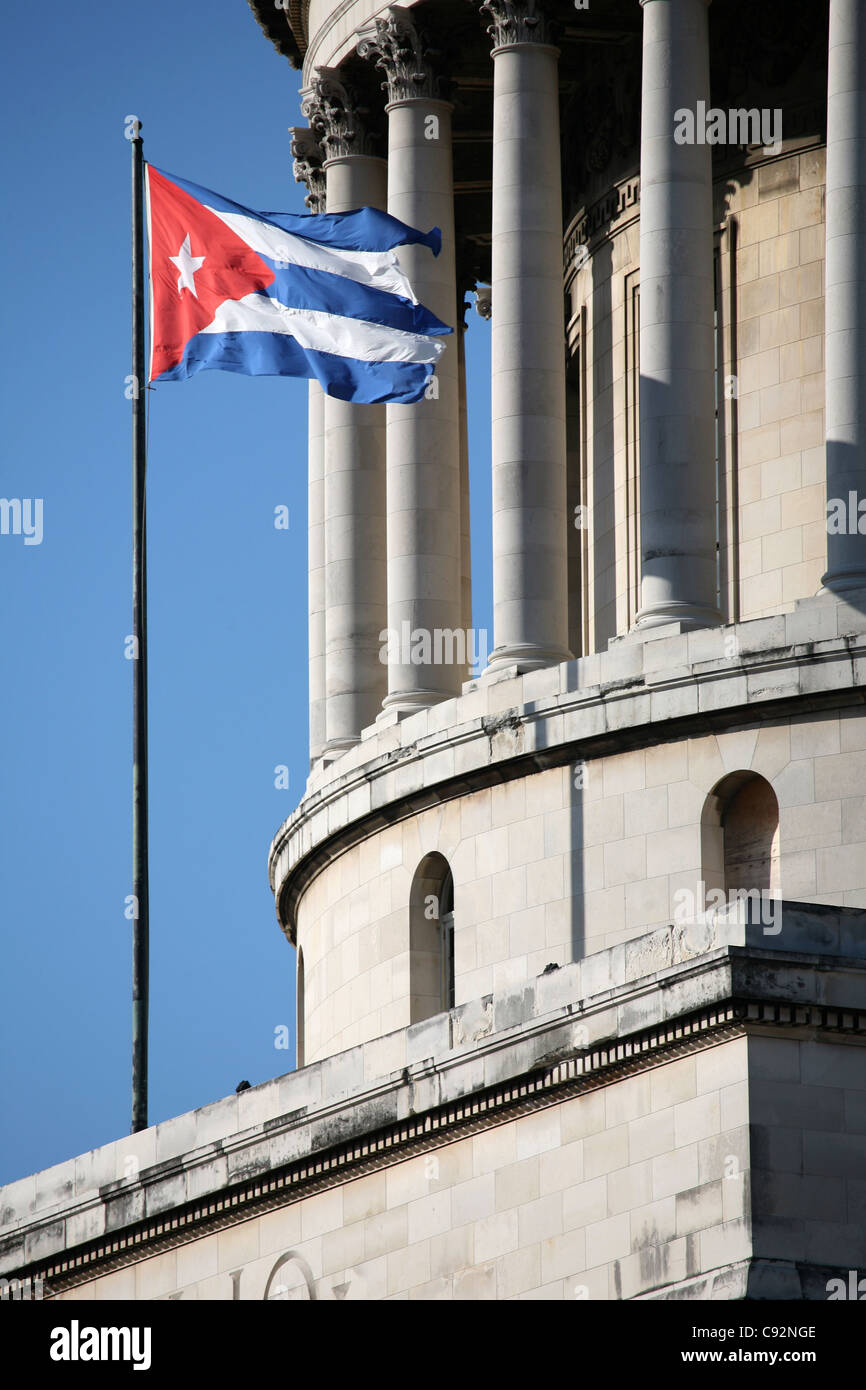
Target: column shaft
pixel 307 154
pixel 424 544
pixel 845 303
pixel 354 516
pixel 315 567
pixel 530 600
pixel 677 448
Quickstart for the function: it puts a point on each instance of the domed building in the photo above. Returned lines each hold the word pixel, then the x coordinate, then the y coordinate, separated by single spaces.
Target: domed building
pixel 581 936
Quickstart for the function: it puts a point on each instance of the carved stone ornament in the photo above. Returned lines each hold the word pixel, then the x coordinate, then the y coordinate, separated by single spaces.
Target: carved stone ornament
pixel 337 120
pixel 516 21
pixel 484 301
pixel 404 54
pixel 307 167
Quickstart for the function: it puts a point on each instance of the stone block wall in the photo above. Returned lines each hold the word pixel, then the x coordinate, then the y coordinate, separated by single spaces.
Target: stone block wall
pixel 808 1150
pixel 546 871
pixel 772 349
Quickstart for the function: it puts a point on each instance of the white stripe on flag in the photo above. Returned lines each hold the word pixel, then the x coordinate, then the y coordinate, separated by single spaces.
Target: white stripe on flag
pixel 379 269
pixel 317 331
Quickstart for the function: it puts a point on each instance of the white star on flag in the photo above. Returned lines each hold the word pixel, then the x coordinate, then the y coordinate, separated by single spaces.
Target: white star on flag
pixel 187 264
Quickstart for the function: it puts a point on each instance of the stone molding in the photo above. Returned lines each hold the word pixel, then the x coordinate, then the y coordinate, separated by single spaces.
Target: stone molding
pixel 616 209
pixel 333 23
pixel 284 23
pixel 307 167
pixel 336 118
pixel 405 54
pixel 469 1115
pixel 573 1029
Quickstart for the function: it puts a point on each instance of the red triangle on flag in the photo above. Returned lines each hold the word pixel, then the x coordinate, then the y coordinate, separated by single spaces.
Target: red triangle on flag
pixel 196 264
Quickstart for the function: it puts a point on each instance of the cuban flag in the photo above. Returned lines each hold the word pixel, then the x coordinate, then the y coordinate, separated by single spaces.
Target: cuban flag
pixel 281 294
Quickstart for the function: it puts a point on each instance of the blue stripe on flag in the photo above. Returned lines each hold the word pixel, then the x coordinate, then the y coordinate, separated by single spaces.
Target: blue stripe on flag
pixel 300 287
pixel 278 354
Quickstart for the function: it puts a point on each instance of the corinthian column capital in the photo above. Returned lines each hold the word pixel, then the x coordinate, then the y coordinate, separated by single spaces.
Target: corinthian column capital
pixel 307 167
pixel 335 116
pixel 404 53
pixel 516 21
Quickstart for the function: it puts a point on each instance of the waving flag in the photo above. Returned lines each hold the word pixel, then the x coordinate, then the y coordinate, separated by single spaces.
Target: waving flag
pixel 280 294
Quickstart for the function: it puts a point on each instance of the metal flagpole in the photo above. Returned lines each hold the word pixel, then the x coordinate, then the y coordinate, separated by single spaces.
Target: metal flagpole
pixel 140 928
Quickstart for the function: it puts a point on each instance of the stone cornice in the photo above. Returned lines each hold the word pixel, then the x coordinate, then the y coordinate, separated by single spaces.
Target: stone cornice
pixel 575 1028
pixel 511 726
pixel 285 24
pixel 480 1110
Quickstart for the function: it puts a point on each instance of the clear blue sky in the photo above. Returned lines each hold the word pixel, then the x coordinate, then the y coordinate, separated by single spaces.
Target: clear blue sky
pixel 227 592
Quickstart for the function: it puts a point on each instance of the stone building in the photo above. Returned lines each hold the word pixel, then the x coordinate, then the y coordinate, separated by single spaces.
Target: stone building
pixel 581 940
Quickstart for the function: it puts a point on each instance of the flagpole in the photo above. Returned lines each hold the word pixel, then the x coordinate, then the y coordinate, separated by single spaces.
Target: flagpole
pixel 140 923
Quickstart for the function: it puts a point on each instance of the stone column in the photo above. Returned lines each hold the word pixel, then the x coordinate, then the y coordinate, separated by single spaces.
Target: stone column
pixel 354 459
pixel 466 277
pixel 530 584
pixel 308 169
pixel 845 292
pixel 316 567
pixel 677 439
pixel 427 659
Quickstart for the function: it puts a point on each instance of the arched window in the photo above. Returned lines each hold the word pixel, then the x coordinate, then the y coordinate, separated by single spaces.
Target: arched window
pixel 300 1002
pixel 740 832
pixel 431 939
